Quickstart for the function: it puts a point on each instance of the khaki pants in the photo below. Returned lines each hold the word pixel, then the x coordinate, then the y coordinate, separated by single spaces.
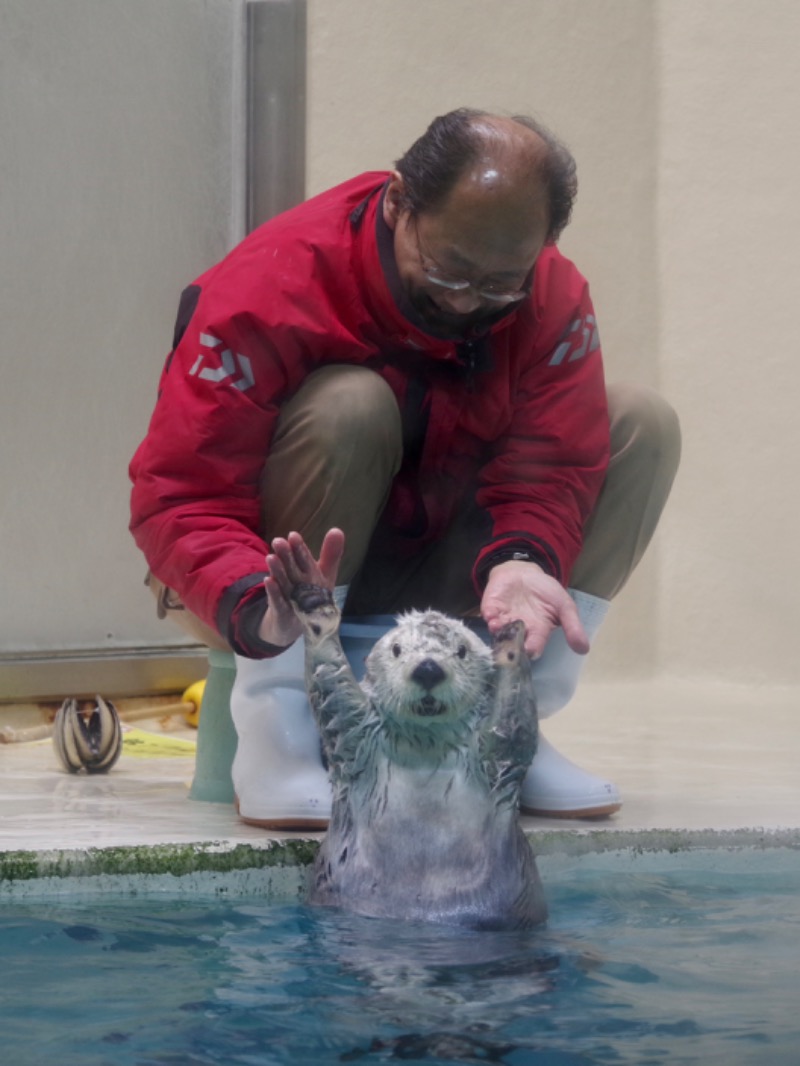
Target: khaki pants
pixel 337 447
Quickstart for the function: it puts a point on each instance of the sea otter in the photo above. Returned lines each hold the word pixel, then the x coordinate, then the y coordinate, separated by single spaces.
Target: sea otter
pixel 426 759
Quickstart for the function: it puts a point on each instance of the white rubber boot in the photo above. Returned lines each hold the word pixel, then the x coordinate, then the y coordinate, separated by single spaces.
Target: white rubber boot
pixel 278 776
pixel 554 787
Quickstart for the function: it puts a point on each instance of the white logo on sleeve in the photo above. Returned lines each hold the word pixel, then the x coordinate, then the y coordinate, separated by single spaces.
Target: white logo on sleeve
pixel 230 365
pixel 581 339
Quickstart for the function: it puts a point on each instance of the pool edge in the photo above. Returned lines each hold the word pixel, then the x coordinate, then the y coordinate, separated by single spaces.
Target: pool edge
pixel 279 868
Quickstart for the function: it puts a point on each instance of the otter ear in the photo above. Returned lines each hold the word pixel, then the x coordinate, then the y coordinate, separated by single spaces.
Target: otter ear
pixel 393 200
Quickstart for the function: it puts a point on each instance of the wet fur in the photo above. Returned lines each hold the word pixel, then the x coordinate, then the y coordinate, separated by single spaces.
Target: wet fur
pixel 426 761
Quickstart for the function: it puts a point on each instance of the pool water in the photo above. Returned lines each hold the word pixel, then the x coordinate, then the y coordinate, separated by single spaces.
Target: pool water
pixel 692 958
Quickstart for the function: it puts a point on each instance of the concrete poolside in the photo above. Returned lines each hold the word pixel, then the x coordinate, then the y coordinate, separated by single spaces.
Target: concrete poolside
pixel 695 763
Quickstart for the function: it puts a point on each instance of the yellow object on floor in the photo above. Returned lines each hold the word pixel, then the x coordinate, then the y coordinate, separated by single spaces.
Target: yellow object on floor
pixel 194 695
pixel 144 745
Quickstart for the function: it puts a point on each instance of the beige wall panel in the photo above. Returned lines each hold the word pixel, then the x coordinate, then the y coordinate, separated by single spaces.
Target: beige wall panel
pixel 379 70
pixel 729 221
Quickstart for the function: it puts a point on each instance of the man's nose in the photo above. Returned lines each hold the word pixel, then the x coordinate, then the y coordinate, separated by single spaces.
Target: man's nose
pixel 460 301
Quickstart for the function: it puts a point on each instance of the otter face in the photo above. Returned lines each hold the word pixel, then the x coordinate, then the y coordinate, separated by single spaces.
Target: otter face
pixel 429 669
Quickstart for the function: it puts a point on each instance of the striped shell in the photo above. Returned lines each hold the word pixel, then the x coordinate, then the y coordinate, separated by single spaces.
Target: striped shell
pixel 87 741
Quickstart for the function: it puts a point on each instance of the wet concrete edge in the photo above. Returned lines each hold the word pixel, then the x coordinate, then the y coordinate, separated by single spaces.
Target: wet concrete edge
pixel 279 868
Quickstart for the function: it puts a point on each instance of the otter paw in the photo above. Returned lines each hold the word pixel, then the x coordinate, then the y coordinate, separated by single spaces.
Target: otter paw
pixel 508 644
pixel 308 598
pixel 315 608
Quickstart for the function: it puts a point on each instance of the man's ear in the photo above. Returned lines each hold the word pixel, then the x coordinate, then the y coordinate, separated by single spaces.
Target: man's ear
pixel 393 200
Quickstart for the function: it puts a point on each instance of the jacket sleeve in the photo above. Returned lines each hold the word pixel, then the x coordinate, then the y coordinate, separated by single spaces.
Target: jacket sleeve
pixel 194 505
pixel 546 472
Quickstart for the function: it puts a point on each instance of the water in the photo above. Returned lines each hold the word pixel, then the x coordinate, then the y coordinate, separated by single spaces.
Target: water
pixel 685 959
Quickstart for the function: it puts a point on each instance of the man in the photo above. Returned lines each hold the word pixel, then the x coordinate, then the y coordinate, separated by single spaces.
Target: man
pixel 405 374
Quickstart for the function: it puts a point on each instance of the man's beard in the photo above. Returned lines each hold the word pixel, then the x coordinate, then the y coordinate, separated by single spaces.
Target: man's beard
pixel 444 323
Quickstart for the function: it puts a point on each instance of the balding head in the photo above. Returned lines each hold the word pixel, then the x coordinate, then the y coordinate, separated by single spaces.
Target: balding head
pixel 471 205
pixel 514 162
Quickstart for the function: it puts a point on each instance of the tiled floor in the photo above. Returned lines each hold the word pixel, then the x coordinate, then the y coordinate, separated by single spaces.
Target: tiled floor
pixel 685 756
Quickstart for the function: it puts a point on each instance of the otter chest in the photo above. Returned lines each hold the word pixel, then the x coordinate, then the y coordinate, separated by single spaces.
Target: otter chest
pixel 417 795
pixel 423 816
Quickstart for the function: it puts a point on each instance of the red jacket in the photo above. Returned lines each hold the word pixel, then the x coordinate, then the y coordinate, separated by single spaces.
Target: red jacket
pixel 521 411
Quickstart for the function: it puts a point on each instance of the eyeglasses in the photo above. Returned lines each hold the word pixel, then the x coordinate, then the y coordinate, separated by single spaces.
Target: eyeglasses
pixel 494 293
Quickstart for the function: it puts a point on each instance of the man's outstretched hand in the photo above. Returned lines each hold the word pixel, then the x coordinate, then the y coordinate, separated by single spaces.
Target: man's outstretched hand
pixel 518 589
pixel 290 563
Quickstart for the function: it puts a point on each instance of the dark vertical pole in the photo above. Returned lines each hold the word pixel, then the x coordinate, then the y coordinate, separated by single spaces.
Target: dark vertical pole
pixel 276 107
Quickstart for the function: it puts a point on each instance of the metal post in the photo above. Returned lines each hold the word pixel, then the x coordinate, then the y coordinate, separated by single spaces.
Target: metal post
pixel 276 107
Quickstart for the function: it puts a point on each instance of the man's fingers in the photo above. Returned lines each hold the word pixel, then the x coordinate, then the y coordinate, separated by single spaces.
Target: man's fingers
pixel 574 632
pixel 330 556
pixel 300 553
pixel 297 563
pixel 536 638
pixel 277 572
pixel 279 625
pixel 276 594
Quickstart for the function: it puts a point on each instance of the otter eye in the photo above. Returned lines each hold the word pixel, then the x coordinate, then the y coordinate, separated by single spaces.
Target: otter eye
pixel 462 651
pixel 397 651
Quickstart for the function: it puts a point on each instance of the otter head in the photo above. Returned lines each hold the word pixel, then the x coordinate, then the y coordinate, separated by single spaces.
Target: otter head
pixel 428 674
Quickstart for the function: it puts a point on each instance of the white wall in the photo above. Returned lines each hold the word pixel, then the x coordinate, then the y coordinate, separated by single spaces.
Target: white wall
pixel 729 265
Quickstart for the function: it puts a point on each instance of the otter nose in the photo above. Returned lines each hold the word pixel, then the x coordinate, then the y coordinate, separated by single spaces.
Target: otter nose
pixel 428 674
